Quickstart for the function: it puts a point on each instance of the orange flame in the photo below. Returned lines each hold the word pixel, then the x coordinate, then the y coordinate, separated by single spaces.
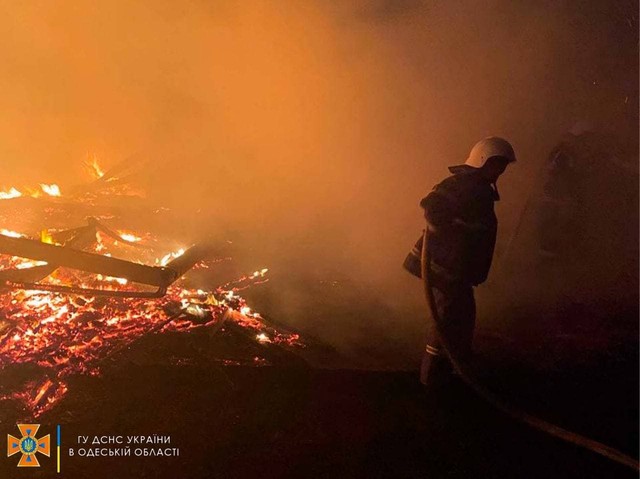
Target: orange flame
pixel 12 193
pixel 95 168
pixel 51 190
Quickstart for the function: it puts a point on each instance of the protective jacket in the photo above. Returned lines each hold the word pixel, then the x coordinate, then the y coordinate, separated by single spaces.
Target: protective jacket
pixel 460 213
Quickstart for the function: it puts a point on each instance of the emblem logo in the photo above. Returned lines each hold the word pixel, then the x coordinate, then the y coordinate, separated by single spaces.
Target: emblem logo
pixel 29 445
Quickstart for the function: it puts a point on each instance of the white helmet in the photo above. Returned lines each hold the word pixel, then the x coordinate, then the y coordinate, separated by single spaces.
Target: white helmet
pixel 487 148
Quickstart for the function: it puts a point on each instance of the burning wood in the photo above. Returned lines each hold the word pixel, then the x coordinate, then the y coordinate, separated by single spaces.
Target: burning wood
pixel 50 190
pixel 70 301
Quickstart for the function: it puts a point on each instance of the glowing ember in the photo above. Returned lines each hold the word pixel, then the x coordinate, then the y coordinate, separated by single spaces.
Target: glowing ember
pixel 260 273
pixel 129 237
pixel 69 334
pixel 121 281
pixel 29 264
pixel 72 334
pixel 263 338
pixel 39 397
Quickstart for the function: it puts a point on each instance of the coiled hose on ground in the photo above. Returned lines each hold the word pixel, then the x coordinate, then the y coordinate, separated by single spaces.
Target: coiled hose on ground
pixel 497 402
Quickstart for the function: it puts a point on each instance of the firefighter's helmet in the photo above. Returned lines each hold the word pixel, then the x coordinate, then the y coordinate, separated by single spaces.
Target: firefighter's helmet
pixel 488 148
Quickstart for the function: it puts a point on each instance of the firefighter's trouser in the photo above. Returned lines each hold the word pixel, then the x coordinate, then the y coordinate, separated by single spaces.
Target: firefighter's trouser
pixel 456 309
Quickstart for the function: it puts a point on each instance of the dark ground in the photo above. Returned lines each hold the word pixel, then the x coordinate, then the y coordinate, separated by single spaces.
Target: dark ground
pixel 292 419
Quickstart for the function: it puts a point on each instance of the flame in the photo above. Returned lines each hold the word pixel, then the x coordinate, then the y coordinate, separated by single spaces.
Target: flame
pixel 95 168
pixel 260 273
pixel 48 189
pixel 121 281
pixel 64 334
pixel 69 335
pixel 12 193
pixel 12 234
pixel 26 264
pixel 46 237
pixel 170 256
pixel 263 338
pixel 129 236
pixel 51 190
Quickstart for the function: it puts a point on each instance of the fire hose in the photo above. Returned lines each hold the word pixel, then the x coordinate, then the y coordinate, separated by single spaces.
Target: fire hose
pixel 497 402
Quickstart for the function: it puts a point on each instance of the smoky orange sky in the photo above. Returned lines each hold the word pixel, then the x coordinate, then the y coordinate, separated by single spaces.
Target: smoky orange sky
pixel 318 125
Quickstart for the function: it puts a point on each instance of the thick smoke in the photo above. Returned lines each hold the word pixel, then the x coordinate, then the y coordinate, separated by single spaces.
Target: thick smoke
pixel 310 129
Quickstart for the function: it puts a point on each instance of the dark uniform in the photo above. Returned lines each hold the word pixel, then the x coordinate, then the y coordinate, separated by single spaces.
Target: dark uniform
pixel 584 176
pixel 463 225
pixel 559 223
pixel 586 228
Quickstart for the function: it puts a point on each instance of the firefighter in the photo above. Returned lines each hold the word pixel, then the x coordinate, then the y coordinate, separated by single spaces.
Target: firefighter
pixel 563 192
pixel 462 232
pixel 585 210
pixel 585 174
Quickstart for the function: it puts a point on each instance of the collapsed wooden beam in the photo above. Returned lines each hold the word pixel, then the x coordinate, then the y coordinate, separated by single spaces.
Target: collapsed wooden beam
pixel 189 259
pixel 90 262
pixel 82 238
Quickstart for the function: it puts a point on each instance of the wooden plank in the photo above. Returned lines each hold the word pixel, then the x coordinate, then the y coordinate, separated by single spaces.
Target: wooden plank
pixel 92 263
